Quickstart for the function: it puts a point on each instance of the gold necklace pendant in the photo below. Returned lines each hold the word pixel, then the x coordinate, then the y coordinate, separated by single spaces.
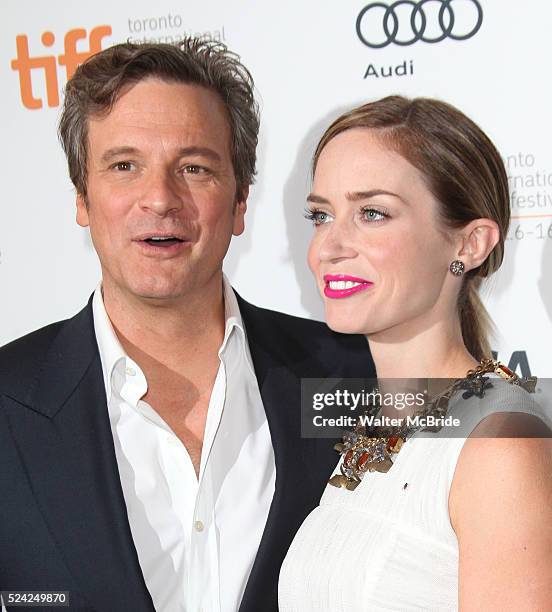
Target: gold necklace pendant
pixel 362 453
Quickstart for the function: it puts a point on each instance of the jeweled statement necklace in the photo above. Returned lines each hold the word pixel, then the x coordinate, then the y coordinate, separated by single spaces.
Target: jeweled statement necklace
pixel 374 453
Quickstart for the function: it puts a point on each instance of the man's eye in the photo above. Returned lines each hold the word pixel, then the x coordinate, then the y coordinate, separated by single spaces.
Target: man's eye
pixel 194 169
pixel 123 166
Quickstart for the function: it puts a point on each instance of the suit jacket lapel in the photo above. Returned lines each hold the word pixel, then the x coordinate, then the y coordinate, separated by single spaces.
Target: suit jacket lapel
pixel 302 465
pixel 72 469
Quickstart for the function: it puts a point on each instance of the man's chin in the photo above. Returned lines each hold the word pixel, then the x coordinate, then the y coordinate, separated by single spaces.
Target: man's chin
pixel 161 297
pixel 156 292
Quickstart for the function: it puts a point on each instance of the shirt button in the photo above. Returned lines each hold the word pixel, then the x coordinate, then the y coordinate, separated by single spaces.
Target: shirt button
pixel 130 371
pixel 198 525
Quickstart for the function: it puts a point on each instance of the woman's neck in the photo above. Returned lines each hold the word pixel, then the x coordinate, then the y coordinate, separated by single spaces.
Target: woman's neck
pixel 436 352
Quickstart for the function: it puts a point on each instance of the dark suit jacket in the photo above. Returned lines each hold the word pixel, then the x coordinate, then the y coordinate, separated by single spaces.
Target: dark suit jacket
pixel 63 520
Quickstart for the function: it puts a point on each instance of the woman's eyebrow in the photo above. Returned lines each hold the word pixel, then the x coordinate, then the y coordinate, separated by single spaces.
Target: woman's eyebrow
pixel 316 199
pixel 357 196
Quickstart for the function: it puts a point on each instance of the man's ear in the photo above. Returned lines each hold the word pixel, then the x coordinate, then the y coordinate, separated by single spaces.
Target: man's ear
pixel 82 211
pixel 479 238
pixel 240 208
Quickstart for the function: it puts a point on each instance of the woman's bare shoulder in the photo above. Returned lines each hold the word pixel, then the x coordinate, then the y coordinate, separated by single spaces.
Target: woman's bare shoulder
pixel 500 505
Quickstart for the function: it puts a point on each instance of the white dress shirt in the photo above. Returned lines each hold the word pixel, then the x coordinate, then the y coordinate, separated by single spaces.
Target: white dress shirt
pixel 196 539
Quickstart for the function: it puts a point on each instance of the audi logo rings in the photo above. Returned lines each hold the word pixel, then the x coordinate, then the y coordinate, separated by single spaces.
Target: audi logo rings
pixel 418 22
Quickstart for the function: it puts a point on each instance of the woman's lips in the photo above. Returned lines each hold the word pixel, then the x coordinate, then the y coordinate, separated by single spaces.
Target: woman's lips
pixel 342 285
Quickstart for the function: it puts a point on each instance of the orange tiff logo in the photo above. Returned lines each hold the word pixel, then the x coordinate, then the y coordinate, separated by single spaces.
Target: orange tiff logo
pixel 71 58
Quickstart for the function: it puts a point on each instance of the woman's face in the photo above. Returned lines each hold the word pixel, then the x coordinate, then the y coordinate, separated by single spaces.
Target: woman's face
pixel 379 254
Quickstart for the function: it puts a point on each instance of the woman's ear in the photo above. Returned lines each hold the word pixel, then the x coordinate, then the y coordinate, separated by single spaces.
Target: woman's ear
pixel 479 238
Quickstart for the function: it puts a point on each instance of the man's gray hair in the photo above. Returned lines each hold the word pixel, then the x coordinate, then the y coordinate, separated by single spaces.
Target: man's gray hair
pixel 98 82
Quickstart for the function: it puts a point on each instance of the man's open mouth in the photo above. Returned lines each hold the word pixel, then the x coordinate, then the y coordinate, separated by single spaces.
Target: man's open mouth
pixel 163 241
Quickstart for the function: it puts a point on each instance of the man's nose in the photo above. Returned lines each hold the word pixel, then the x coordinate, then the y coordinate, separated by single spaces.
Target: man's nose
pixel 162 194
pixel 338 242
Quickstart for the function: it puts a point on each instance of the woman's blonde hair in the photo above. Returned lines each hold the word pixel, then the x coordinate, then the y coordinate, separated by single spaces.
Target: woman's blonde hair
pixel 464 172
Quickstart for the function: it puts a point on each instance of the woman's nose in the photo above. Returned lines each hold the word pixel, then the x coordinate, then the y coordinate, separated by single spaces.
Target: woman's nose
pixel 337 243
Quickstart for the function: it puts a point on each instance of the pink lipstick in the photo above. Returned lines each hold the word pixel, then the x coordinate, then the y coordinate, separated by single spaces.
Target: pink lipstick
pixel 342 285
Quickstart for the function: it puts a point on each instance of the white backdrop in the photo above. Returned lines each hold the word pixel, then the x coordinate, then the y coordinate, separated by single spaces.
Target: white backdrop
pixel 310 63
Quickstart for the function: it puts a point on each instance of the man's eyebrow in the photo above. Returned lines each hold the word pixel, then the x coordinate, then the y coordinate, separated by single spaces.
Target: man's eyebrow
pixel 184 151
pixel 200 151
pixel 116 151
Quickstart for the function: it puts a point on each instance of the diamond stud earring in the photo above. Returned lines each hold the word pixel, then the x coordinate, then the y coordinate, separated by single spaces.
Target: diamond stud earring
pixel 457 267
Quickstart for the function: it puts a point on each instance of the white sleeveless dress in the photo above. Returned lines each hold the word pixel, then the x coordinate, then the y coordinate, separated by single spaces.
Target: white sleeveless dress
pixel 389 545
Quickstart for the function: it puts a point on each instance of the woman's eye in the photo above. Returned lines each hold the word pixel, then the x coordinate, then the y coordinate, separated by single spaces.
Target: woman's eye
pixel 318 217
pixel 372 214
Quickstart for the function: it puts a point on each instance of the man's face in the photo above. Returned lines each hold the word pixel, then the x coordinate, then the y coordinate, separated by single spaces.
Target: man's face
pixel 161 191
